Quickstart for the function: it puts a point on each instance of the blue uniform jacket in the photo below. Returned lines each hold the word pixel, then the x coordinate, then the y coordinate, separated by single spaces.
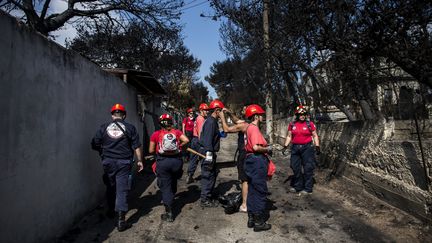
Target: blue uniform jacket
pixel 209 138
pixel 112 143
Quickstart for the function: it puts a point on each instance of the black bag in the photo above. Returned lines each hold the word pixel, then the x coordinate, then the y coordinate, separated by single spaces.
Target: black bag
pixel 231 202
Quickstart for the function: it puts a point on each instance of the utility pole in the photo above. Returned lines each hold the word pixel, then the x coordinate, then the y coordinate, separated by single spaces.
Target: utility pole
pixel 267 73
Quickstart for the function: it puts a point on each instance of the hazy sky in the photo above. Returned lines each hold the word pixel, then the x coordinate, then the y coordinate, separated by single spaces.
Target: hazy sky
pixel 201 34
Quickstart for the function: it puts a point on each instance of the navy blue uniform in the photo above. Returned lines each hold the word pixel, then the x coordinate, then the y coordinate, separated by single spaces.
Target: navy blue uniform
pixel 117 150
pixel 303 165
pixel 168 171
pixel 169 168
pixel 194 159
pixel 302 155
pixel 209 142
pixel 255 166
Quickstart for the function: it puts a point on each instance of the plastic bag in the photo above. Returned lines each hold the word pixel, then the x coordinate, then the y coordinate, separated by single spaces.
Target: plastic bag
pixel 231 202
pixel 271 169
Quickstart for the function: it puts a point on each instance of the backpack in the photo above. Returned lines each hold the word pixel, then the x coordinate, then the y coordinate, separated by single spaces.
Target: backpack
pixel 168 143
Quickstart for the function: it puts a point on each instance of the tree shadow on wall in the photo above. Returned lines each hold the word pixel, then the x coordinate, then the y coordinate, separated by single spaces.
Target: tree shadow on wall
pixel 348 146
pixel 415 165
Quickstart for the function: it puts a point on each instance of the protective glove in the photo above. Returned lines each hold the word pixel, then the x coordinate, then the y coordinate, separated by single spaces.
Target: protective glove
pixel 222 134
pixel 317 150
pixel 150 157
pixel 208 161
pixel 284 150
pixel 209 156
pixel 269 150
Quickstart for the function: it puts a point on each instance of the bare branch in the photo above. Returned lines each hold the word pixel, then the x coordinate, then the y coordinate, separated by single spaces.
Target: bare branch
pixel 96 11
pixel 45 9
pixel 16 3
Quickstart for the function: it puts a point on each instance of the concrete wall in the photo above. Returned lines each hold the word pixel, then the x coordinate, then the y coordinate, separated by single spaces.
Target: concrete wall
pixel 52 102
pixel 383 157
pixel 152 109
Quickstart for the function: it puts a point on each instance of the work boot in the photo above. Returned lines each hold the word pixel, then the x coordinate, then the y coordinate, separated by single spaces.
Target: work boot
pixel 168 215
pixel 209 204
pixel 251 220
pixel 260 224
pixel 122 224
pixel 189 179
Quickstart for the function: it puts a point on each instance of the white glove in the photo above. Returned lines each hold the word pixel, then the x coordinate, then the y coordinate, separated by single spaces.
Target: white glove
pixel 209 156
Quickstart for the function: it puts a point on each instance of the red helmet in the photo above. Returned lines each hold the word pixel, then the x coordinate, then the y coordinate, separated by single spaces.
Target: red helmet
pixel 203 106
pixel 165 117
pixel 254 110
pixel 118 107
pixel 216 104
pixel 300 110
pixel 189 110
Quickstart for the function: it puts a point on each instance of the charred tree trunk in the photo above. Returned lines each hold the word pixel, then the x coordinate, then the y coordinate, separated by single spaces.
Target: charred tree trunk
pixel 267 72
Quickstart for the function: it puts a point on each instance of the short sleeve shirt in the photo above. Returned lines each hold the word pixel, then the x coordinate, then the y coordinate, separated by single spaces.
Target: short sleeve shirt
pixel 155 137
pixel 253 137
pixel 301 134
pixel 189 124
pixel 199 121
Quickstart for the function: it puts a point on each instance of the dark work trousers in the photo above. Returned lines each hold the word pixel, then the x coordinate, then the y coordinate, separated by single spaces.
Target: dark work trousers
pixel 189 135
pixel 168 171
pixel 117 172
pixel 194 159
pixel 256 166
pixel 240 165
pixel 209 173
pixel 110 192
pixel 303 165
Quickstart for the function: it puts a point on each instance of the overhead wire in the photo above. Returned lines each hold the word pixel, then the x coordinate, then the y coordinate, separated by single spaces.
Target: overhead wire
pixel 187 4
pixel 193 6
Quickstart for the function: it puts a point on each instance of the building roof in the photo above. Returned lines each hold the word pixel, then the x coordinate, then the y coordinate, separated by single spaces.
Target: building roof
pixel 143 81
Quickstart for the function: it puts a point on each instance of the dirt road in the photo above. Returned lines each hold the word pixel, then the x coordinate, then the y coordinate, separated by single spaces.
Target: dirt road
pixel 335 212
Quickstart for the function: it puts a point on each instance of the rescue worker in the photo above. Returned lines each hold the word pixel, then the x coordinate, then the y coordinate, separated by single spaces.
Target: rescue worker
pixel 116 142
pixel 166 143
pixel 302 134
pixel 199 121
pixel 240 128
pixel 187 129
pixel 256 167
pixel 209 142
